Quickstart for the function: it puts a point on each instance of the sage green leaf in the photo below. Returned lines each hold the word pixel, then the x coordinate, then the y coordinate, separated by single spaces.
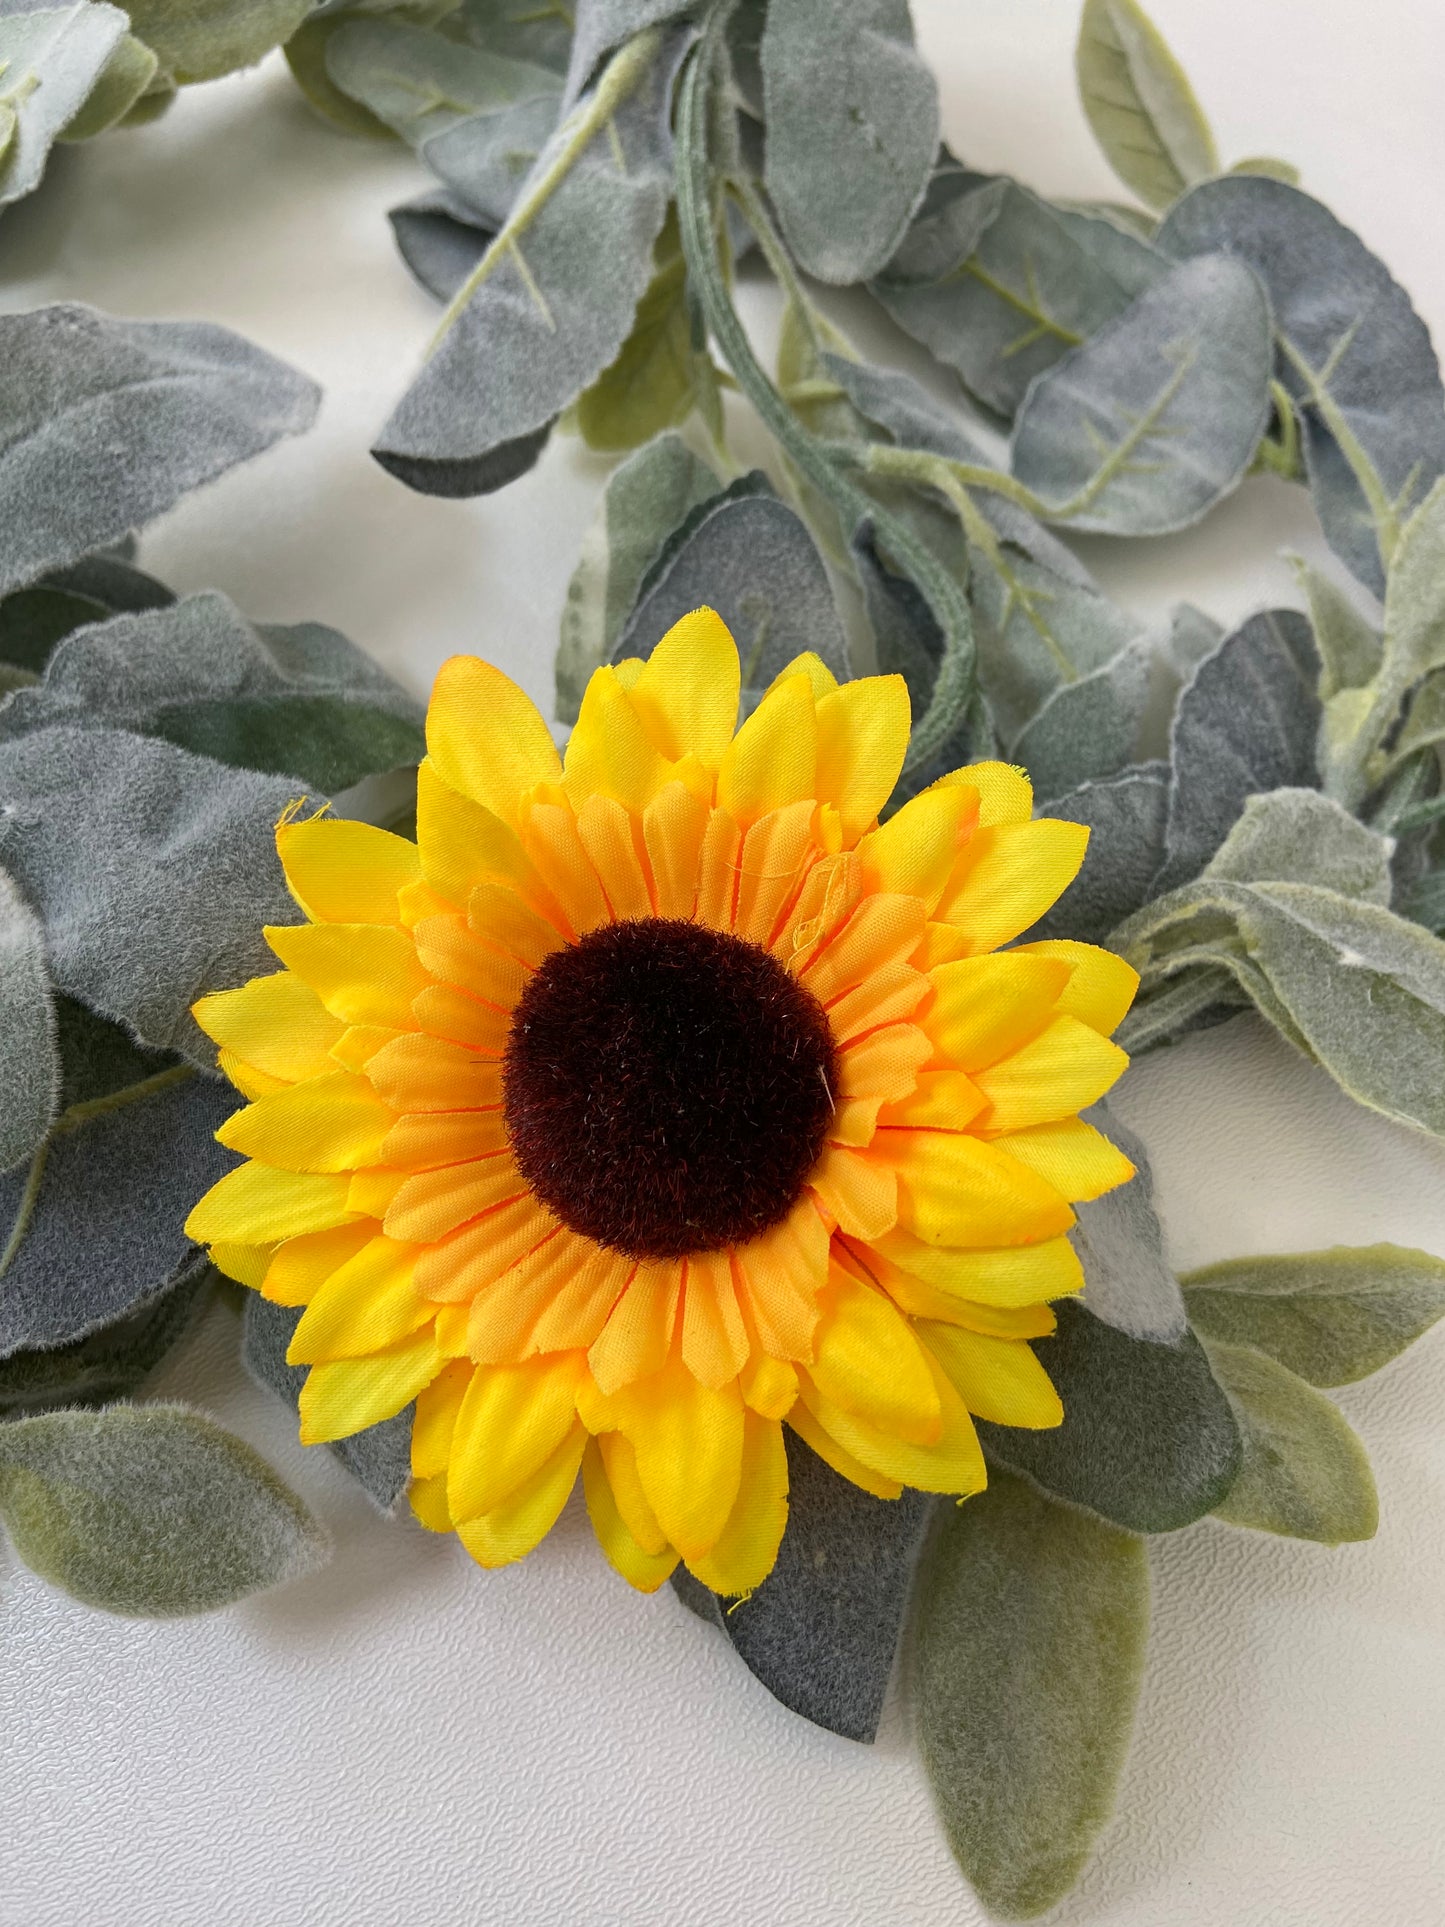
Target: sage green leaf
pixel 1246 722
pixel 1299 836
pixel 1331 1316
pixel 105 424
pixel 852 120
pixel 441 238
pixel 1270 166
pixel 552 301
pixel 50 60
pixel 1086 729
pixel 379 1457
pixel 520 29
pixel 1352 351
pixel 1039 633
pixel 1126 816
pixel 1304 1472
pixel 150 1511
pixel 151 870
pixel 908 641
pixel 419 83
pixel 1192 636
pixel 29 1059
pixel 486 158
pixel 297 700
pixel 999 286
pixel 1148 1438
pixel 1350 647
pixel 123 80
pixel 647 497
pixel 1127 1278
pixel 750 557
pixel 112 1363
pixel 821 1632
pixel 1031 1631
pixel 1413 645
pixel 1146 426
pixel 306 57
pixel 110 579
pixel 203 39
pixel 653 384
pixel 1140 106
pixel 600 27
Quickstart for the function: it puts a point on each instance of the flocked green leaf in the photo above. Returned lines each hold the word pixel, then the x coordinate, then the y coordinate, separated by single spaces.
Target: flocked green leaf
pixel 1140 106
pixel 124 79
pixel 29 1057
pixel 419 83
pixel 50 61
pixel 203 39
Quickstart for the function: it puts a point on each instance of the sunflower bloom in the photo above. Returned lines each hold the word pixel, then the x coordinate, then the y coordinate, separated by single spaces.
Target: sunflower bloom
pixel 656 1098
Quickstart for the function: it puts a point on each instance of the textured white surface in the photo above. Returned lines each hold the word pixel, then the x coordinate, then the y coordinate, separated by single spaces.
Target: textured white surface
pixel 402 1738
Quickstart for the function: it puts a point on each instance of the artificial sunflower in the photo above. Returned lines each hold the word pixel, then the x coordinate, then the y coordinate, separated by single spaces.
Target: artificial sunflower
pixel 657 1097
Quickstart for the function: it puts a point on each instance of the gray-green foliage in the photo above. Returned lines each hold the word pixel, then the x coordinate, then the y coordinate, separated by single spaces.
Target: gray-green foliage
pixel 1086 728
pixel 441 238
pixel 1330 1316
pixel 1146 426
pixel 1304 1473
pixel 486 158
pixel 151 1511
pixel 1147 1440
pixel 379 1457
pixel 1140 106
pixel 1126 816
pixel 29 1058
pixel 646 498
pixel 419 83
pixel 51 58
pixel 105 424
pixel 111 835
pixel 203 39
pixel 552 301
pixel 1032 1623
pixel 297 700
pixel 822 1630
pixel 1127 1279
pixel 852 118
pixel 1352 352
pixel 124 81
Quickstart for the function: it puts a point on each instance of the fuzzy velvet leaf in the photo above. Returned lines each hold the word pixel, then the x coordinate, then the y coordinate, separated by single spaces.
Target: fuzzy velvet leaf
pixel 1086 730
pixel 647 498
pixel 1148 1439
pixel 1304 1472
pixel 822 1630
pixel 297 700
pixel 380 1457
pixel 441 238
pixel 1140 106
pixel 1126 818
pixel 126 77
pixel 600 27
pixel 553 299
pixel 1031 1630
pixel 1299 836
pixel 203 39
pixel 150 1511
pixel 750 557
pixel 486 158
pixel 1127 1278
pixel 999 285
pixel 111 835
pixel 852 120
pixel 29 1056
pixel 105 424
pixel 1352 352
pixel 419 83
pixel 520 29
pixel 51 58
pixel 1330 1316
pixel 1154 419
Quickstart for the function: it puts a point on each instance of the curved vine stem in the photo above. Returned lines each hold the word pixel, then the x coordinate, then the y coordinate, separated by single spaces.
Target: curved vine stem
pixel 955 689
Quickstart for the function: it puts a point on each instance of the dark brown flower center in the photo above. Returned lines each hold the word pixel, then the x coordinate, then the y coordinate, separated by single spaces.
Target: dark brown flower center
pixel 667 1087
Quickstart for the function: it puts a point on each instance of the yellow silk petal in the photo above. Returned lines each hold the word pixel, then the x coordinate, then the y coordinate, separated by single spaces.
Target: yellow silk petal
pixel 986 1007
pixel 462 844
pixel 620 1464
pixel 747 1548
pixel 332 1123
pixel 998 1379
pixel 486 737
pixel 276 1024
pixel 718 863
pixel 883 1065
pixel 418 1073
pixel 1005 794
pixel 843 1462
pixel 859 1191
pixel 609 750
pixel 610 836
pixel 866 1360
pixel 862 737
pixel 444 1011
pixel 776 852
pixel 352 1393
pixel 364 973
pixel 772 761
pixel 686 694
pixel 428 1501
pixel 880 932
pixel 525 1517
pixel 1078 1161
pixel 437 1406
pixel 1101 986
pixel 257 1204
pixel 769 1386
pixel 247 1264
pixel 635 1341
pixel 432 1203
pixel 301 1266
pixel 919 1300
pixel 940 1101
pixel 499 917
pixel 511 1421
pixel 640 1568
pixel 955 1190
pixel 887 996
pixel 367 1304
pixel 1014 1276
pixel 556 1297
pixel 343 872
pixel 247 1079
pixel 430 1139
pixel 912 854
pixel 714 1340
pixel 689 1443
pixel 953 1464
pixel 810 664
pixel 448 948
pixel 359 1043
pixel 1008 876
pixel 1063 1070
pixel 673 826
pixel 549 836
pixel 454 1270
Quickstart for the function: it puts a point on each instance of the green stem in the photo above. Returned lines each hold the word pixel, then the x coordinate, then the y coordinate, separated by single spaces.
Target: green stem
pixel 954 692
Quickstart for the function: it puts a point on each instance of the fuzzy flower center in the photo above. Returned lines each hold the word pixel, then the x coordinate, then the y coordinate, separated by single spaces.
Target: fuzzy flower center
pixel 667 1087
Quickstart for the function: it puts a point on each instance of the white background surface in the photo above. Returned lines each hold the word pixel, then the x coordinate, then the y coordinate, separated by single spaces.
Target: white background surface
pixel 403 1739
